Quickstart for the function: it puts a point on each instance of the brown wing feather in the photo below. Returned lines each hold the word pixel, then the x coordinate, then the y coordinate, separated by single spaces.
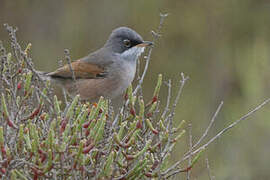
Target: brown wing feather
pixel 81 69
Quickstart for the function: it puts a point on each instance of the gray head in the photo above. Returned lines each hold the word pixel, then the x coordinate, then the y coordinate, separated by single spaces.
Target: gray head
pixel 126 42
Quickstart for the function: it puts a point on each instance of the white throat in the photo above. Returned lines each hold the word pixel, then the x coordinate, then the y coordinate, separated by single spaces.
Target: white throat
pixel 133 53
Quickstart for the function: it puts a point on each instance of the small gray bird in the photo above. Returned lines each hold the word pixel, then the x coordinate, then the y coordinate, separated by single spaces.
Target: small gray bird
pixel 106 72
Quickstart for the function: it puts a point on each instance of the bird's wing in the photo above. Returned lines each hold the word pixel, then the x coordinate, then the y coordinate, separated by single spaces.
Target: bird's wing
pixel 81 69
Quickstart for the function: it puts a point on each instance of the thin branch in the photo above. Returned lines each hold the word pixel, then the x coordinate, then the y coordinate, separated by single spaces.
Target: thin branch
pixel 175 172
pixel 209 126
pixel 67 57
pixel 232 125
pixel 218 135
pixel 181 86
pixel 138 70
pixel 169 84
pixel 190 149
pixel 156 36
pixel 206 131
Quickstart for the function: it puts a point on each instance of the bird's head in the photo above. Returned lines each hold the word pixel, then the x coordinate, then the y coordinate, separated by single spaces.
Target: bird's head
pixel 127 42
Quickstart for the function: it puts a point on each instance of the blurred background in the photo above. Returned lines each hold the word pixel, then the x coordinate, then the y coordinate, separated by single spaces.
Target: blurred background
pixel 222 45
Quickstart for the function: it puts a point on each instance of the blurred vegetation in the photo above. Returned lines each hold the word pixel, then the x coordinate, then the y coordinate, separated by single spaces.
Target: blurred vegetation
pixel 222 45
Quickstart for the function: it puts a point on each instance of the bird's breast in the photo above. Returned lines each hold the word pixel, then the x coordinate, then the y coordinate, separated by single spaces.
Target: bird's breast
pixel 123 77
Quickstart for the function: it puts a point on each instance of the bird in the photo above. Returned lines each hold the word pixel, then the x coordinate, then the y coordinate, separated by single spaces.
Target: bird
pixel 105 72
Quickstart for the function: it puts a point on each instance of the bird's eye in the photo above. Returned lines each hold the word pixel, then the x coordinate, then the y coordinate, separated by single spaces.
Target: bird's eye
pixel 127 43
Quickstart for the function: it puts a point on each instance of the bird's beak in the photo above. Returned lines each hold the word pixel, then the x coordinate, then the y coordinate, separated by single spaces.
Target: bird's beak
pixel 145 44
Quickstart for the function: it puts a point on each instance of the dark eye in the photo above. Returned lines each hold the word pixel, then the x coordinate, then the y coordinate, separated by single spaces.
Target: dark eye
pixel 127 43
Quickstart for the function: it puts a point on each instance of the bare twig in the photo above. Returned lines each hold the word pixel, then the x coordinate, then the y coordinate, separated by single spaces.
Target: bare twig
pixel 185 157
pixel 175 172
pixel 207 129
pixel 232 125
pixel 182 84
pixel 209 126
pixel 156 36
pixel 67 57
pixel 171 115
pixel 138 70
pixel 190 148
pixel 169 84
pixel 208 169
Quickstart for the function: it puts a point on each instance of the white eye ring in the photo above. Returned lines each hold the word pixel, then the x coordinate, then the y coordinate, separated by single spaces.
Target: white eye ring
pixel 127 43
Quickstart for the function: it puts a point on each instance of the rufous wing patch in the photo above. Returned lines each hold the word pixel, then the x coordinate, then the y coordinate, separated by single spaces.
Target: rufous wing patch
pixel 82 70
